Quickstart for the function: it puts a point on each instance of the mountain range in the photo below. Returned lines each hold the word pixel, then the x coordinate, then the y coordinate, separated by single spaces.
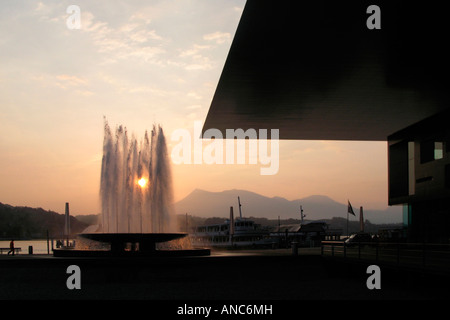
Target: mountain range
pixel 27 223
pixel 208 204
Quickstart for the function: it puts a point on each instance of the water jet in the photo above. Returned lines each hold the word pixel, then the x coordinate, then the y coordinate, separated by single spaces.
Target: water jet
pixel 136 199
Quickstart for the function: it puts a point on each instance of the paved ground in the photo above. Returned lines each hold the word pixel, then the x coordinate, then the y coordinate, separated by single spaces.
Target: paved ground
pixel 260 275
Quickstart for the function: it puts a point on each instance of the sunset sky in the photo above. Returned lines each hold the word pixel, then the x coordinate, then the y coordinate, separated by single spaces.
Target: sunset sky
pixel 138 63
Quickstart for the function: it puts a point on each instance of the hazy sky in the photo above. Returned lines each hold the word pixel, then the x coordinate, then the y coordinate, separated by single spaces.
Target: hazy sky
pixel 138 63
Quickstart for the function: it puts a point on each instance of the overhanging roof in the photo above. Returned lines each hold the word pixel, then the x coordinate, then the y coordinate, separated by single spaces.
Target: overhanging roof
pixel 316 72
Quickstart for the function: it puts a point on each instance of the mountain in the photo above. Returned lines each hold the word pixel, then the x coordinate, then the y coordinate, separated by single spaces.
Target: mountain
pixel 203 203
pixel 26 222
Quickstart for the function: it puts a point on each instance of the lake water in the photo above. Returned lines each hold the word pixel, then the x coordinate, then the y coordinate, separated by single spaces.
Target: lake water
pixel 39 246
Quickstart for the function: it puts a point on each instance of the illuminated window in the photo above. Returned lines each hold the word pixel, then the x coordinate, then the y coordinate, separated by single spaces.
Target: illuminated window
pixel 438 150
pixel 431 150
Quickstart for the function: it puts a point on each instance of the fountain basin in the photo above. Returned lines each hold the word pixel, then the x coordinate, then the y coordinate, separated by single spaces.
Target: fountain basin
pixel 146 244
pixel 133 237
pixel 146 241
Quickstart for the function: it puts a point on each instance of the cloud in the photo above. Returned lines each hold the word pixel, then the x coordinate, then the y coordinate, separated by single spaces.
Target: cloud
pixel 150 89
pixel 199 66
pixel 198 61
pixel 218 37
pixel 71 80
pixel 194 95
pixel 129 40
pixel 195 60
pixel 62 81
pixel 194 50
pixel 194 106
pixel 42 8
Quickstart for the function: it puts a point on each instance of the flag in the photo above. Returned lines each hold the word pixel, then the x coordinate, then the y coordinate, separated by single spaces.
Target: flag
pixel 350 209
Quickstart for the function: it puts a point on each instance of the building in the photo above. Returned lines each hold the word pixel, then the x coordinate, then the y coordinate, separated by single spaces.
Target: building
pixel 317 70
pixel 419 177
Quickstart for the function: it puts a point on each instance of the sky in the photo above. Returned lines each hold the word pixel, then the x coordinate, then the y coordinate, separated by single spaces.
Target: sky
pixel 139 63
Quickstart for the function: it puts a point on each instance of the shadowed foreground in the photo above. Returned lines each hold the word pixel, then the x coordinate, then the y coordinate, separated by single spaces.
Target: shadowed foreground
pixel 258 275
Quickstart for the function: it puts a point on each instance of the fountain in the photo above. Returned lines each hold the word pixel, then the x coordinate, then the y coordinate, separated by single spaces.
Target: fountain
pixel 136 184
pixel 136 198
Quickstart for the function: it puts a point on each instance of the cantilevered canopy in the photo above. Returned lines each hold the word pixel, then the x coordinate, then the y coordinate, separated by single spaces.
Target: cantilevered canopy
pixel 314 70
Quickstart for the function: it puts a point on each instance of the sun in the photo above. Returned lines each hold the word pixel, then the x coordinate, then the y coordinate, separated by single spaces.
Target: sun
pixel 142 182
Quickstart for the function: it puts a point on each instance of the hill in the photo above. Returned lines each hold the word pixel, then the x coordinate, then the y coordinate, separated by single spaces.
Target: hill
pixel 208 204
pixel 26 222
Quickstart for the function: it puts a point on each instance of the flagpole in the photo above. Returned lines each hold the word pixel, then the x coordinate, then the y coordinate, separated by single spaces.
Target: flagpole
pixel 347 224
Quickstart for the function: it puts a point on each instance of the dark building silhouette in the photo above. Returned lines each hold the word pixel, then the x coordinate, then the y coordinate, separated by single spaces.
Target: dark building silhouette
pixel 315 71
pixel 419 176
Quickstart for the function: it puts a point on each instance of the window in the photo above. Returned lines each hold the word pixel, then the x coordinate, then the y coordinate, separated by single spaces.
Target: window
pixel 431 150
pixel 426 151
pixel 438 150
pixel 398 170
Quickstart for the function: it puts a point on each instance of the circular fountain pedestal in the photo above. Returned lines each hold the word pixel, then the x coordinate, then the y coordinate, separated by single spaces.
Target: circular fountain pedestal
pixel 144 244
pixel 146 241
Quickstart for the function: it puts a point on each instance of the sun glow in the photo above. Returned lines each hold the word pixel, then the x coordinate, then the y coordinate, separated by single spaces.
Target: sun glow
pixel 142 182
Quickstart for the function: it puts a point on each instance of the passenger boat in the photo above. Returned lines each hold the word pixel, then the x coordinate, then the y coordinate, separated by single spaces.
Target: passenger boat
pixel 245 234
pixel 239 232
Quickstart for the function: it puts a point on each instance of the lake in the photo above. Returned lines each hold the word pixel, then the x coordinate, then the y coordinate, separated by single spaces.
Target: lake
pixel 39 246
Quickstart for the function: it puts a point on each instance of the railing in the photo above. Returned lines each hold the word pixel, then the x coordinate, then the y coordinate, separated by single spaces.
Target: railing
pixel 432 257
